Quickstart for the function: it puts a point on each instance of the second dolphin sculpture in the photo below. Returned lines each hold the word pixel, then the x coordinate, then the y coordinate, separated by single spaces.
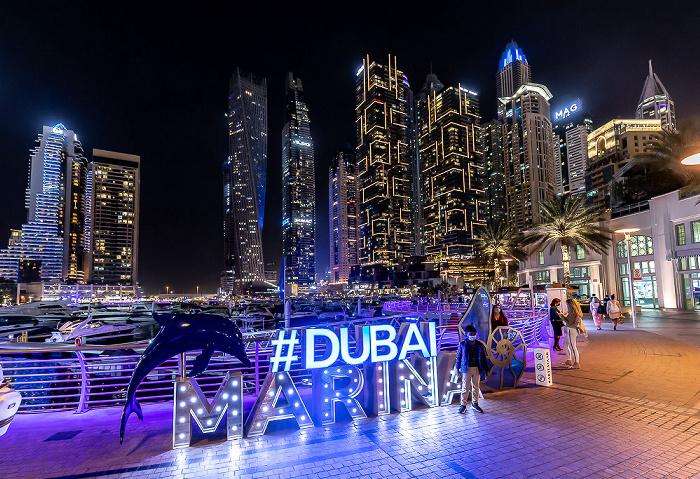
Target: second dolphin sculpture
pixel 180 333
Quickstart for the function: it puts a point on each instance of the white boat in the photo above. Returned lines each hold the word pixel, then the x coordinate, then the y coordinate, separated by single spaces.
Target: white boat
pixel 9 404
pixel 91 330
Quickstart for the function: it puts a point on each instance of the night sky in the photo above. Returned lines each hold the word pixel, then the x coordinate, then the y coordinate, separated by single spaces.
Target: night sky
pixel 154 82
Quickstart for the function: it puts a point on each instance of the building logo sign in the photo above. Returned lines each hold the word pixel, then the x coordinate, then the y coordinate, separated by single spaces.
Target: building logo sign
pixel 567 111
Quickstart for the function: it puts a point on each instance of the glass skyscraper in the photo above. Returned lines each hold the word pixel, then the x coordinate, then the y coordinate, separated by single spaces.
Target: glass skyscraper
pixel 52 244
pixel 655 103
pixel 528 146
pixel 452 177
pixel 244 181
pixel 385 163
pixel 113 216
pixel 298 189
pixel 343 213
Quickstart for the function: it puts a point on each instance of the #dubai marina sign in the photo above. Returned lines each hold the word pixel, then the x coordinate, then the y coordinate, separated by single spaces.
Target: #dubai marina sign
pixel 384 370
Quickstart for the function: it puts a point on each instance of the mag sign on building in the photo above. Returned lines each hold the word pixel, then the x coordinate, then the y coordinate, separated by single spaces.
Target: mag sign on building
pixel 565 111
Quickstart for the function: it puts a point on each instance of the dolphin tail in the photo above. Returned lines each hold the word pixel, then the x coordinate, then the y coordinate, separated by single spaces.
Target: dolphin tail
pixel 131 406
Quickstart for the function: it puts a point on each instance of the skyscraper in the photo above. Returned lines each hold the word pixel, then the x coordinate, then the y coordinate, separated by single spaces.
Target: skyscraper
pixel 298 189
pixel 343 214
pixel 244 181
pixel 113 215
pixel 571 126
pixel 53 240
pixel 452 169
pixel 385 163
pixel 492 146
pixel 656 103
pixel 610 148
pixel 528 154
pixel 513 71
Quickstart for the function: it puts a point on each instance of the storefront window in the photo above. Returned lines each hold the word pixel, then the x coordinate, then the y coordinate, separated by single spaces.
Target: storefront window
pixel 639 246
pixel 680 234
pixel 695 228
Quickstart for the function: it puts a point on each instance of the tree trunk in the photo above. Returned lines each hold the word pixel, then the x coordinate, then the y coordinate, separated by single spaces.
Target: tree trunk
pixel 497 273
pixel 567 265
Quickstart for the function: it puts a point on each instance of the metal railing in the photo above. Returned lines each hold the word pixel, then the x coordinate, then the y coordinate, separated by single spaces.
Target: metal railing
pixel 60 378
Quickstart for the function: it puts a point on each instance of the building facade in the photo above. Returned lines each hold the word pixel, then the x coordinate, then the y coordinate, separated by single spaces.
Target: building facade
pixel 115 183
pixel 570 127
pixel 665 258
pixel 245 173
pixel 298 189
pixel 52 244
pixel 385 162
pixel 528 153
pixel 513 71
pixel 655 102
pixel 528 148
pixel 492 146
pixel 610 148
pixel 343 211
pixel 452 172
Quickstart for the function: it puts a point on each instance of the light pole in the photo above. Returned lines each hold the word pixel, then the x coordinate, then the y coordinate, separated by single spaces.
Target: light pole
pixel 626 232
pixel 197 290
pixel 507 262
pixel 166 290
pixel 692 160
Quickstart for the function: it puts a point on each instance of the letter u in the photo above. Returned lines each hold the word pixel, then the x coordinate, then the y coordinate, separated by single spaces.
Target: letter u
pixel 361 342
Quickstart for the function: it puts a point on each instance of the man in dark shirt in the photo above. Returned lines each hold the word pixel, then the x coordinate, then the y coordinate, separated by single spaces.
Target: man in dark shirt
pixel 471 362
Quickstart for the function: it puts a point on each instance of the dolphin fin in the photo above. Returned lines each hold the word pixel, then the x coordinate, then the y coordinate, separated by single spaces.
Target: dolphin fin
pixel 131 406
pixel 202 361
pixel 163 318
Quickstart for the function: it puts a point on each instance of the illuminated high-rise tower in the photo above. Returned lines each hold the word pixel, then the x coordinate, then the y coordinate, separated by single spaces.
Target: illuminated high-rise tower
pixel 492 145
pixel 513 71
pixel 244 181
pixel 452 172
pixel 655 103
pixel 298 190
pixel 528 148
pixel 113 215
pixel 385 163
pixel 52 244
pixel 343 214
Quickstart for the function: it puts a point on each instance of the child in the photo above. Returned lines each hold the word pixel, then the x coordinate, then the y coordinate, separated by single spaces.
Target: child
pixel 471 362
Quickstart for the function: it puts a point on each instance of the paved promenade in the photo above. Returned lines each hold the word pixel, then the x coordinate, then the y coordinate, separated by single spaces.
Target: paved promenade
pixel 632 410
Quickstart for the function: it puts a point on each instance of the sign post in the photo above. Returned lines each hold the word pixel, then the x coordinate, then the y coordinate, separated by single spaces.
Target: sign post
pixel 543 367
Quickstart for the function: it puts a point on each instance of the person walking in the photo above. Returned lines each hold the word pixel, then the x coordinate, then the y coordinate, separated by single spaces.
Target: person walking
pixel 574 326
pixel 595 314
pixel 556 317
pixel 471 362
pixel 614 310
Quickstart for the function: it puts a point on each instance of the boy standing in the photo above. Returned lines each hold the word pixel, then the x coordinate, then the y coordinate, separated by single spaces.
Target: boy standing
pixel 471 362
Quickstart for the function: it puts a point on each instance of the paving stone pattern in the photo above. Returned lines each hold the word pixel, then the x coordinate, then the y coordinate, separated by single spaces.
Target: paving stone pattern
pixel 633 410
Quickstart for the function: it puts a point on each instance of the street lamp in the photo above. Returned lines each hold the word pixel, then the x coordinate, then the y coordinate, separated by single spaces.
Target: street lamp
pixel 507 262
pixel 692 160
pixel 626 232
pixel 197 289
pixel 166 290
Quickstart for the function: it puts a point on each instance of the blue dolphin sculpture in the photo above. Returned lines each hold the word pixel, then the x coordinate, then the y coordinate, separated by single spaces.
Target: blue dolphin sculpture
pixel 180 333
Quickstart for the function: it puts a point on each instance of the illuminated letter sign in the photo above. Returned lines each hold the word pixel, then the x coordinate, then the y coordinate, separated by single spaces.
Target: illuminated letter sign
pixel 266 408
pixel 337 385
pixel 310 362
pixel 190 402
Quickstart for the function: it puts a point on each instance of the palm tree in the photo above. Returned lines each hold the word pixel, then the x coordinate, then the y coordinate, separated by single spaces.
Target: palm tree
pixel 665 155
pixel 496 242
pixel 566 221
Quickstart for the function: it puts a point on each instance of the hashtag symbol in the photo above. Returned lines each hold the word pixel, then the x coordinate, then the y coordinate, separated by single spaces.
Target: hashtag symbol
pixel 280 343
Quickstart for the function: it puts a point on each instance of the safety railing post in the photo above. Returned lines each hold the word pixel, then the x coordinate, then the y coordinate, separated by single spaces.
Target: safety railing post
pixel 83 405
pixel 257 368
